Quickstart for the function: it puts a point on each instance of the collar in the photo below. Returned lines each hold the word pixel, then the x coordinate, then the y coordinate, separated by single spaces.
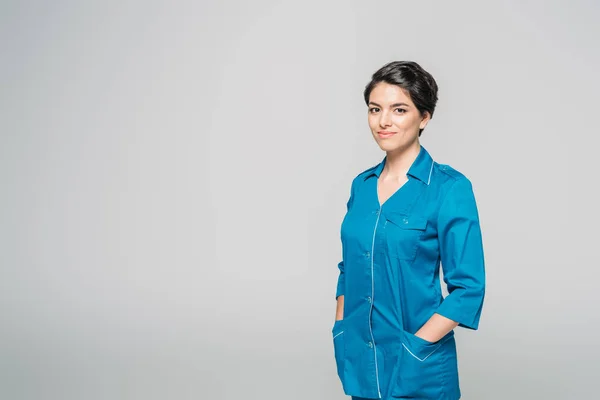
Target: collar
pixel 420 169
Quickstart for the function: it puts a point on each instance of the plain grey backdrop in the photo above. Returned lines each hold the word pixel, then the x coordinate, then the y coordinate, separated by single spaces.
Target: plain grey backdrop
pixel 173 176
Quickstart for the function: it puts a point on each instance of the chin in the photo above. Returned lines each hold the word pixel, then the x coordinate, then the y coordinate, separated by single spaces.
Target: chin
pixel 388 146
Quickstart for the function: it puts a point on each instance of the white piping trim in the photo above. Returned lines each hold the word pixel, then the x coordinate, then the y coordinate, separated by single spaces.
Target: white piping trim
pixel 430 171
pixel 427 356
pixel 373 299
pixel 338 334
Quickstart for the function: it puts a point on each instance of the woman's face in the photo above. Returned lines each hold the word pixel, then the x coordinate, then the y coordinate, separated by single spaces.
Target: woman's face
pixel 393 118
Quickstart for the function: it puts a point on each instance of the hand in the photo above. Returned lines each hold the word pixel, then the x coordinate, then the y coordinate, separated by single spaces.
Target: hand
pixel 339 310
pixel 435 328
pixel 427 339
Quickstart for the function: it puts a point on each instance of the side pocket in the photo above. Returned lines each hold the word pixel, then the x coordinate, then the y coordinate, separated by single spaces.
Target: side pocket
pixel 419 348
pixel 338 347
pixel 422 366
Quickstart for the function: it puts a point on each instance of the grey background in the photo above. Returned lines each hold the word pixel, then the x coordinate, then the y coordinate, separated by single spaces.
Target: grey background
pixel 173 176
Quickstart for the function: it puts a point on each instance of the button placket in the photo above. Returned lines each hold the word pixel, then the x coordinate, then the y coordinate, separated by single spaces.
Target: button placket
pixel 371 344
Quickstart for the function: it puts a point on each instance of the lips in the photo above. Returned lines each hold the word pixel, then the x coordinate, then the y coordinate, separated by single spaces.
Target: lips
pixel 385 134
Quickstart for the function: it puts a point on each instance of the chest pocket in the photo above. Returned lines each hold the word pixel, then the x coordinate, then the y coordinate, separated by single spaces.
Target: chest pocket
pixel 403 233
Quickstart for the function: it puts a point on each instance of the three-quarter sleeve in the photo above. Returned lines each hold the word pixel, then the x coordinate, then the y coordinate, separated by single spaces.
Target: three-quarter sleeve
pixel 341 283
pixel 462 258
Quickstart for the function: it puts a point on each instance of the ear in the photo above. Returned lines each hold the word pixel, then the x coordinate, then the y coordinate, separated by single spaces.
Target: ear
pixel 424 120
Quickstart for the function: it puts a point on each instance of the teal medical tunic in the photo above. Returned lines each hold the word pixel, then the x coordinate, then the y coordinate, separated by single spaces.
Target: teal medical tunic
pixel 390 278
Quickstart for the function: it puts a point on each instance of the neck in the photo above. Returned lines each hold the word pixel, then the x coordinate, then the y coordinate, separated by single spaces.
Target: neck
pixel 398 162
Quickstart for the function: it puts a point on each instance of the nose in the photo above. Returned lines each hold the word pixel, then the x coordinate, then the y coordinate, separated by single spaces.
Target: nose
pixel 385 119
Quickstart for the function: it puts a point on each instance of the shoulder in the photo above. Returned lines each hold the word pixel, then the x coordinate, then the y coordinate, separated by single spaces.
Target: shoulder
pixel 449 172
pixel 456 193
pixel 452 185
pixel 449 176
pixel 366 172
pixel 361 176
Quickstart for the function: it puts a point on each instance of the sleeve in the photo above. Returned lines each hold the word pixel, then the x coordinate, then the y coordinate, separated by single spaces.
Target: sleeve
pixel 461 252
pixel 341 282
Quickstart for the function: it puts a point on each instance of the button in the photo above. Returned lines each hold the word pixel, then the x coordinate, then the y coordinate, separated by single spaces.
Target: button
pixel 405 220
pixel 367 254
pixel 369 299
pixel 370 344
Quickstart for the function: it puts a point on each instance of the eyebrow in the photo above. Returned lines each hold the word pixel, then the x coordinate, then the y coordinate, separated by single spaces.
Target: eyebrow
pixel 393 105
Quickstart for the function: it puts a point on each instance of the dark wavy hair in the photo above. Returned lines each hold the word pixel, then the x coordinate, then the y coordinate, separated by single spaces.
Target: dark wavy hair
pixel 410 76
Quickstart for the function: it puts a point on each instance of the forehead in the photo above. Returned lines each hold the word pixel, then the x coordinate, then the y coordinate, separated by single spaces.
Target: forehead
pixel 384 94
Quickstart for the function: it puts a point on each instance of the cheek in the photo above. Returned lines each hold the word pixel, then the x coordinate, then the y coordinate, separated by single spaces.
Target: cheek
pixel 402 121
pixel 372 123
pixel 407 122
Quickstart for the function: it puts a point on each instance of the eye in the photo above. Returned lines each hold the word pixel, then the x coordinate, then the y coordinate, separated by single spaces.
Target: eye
pixel 401 110
pixel 373 109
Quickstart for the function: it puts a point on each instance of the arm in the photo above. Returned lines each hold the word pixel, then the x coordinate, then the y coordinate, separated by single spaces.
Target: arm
pixel 461 252
pixel 341 283
pixel 436 328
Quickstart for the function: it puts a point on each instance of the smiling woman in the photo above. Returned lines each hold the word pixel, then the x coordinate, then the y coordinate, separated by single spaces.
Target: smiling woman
pixel 394 331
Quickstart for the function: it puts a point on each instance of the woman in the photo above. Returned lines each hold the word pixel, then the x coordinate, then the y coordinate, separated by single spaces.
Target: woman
pixel 393 335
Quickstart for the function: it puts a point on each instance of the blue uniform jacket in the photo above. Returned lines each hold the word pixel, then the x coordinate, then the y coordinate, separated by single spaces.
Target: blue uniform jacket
pixel 390 278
